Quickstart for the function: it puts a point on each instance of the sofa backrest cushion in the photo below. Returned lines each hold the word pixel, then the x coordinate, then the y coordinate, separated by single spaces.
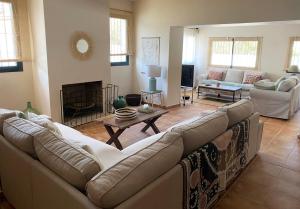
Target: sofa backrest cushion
pixel 67 160
pixel 5 114
pixel 234 76
pixel 287 84
pixel 201 131
pixel 118 183
pixel 21 133
pixel 238 111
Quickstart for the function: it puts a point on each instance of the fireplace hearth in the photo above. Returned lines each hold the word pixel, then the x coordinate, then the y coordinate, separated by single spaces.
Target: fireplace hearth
pixel 82 103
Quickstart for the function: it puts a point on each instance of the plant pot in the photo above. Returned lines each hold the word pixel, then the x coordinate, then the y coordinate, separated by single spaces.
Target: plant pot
pixel 133 99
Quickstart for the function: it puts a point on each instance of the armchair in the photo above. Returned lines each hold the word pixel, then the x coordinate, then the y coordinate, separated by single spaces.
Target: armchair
pixel 276 104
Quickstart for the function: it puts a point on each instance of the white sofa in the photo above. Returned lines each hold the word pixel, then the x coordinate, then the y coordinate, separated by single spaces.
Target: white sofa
pixel 40 170
pixel 276 104
pixel 231 77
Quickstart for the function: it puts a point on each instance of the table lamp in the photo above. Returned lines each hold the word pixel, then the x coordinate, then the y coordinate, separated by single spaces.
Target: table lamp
pixel 293 69
pixel 153 72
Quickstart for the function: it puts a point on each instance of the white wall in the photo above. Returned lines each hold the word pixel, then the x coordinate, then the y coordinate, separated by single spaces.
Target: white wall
pixel 62 19
pixel 155 17
pixel 274 45
pixel 39 54
pixel 122 75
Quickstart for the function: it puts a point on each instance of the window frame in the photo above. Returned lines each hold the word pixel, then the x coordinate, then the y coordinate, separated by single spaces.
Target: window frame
pixel 114 13
pixel 290 50
pixel 233 39
pixel 115 64
pixel 10 69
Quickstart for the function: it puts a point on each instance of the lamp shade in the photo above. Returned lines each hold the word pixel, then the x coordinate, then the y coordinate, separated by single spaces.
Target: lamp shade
pixel 153 71
pixel 293 69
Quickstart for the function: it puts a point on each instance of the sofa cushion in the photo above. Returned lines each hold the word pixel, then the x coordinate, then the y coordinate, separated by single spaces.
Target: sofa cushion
pixel 106 155
pixel 238 111
pixel 215 75
pixel 251 77
pixel 235 76
pixel 5 114
pixel 71 162
pixel 201 131
pixel 265 85
pixel 21 133
pixel 46 123
pixel 287 85
pixel 115 185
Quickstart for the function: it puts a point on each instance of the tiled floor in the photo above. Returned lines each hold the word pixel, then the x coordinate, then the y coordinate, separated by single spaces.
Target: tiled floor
pixel 272 180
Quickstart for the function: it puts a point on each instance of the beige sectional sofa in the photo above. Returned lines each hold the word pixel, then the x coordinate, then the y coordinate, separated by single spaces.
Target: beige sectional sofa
pixel 41 170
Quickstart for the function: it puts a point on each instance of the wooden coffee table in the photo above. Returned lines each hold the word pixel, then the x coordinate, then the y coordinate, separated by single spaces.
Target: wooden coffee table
pixel 220 92
pixel 148 119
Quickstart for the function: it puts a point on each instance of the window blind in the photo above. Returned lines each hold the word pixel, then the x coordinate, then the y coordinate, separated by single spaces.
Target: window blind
pixel 9 34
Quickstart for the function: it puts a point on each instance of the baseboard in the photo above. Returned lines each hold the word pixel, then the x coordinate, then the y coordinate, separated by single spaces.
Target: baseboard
pixel 172 106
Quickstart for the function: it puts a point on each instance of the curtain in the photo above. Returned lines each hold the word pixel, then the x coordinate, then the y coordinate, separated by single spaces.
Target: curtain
pixel 189 46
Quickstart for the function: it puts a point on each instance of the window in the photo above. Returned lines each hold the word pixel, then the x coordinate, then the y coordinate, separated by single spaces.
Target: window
pixel 294 52
pixel 235 52
pixel 10 55
pixel 119 41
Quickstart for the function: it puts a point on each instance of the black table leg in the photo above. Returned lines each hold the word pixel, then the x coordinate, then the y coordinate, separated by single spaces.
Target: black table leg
pixel 233 97
pixel 114 136
pixel 151 123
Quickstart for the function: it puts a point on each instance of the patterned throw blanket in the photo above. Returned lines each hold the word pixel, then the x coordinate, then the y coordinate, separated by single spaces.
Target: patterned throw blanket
pixel 214 166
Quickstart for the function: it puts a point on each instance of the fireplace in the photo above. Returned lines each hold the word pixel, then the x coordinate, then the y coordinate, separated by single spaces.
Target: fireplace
pixel 85 102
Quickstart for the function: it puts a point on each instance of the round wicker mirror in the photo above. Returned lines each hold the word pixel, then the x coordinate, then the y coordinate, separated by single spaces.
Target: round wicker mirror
pixel 81 46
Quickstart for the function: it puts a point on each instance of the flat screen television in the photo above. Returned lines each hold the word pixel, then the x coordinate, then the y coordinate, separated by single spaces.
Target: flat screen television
pixel 187 75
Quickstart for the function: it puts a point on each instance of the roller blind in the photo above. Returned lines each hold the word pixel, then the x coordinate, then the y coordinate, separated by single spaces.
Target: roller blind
pixel 9 34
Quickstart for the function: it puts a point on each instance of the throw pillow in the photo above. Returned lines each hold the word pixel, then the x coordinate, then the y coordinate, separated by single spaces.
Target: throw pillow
pixel 46 123
pixel 252 77
pixel 215 75
pixel 287 85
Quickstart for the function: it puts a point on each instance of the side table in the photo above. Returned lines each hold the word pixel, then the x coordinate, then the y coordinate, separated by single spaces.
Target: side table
pixel 152 95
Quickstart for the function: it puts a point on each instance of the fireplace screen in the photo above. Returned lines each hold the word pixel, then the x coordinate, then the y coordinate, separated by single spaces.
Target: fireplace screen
pixel 85 102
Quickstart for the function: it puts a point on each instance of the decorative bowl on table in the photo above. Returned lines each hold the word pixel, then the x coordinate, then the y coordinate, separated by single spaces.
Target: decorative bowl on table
pixel 126 113
pixel 145 109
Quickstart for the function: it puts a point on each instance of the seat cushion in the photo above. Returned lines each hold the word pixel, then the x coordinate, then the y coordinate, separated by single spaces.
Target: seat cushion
pixel 21 133
pixel 5 114
pixel 235 76
pixel 117 184
pixel 238 111
pixel 70 162
pixel 201 131
pixel 265 85
pixel 106 155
